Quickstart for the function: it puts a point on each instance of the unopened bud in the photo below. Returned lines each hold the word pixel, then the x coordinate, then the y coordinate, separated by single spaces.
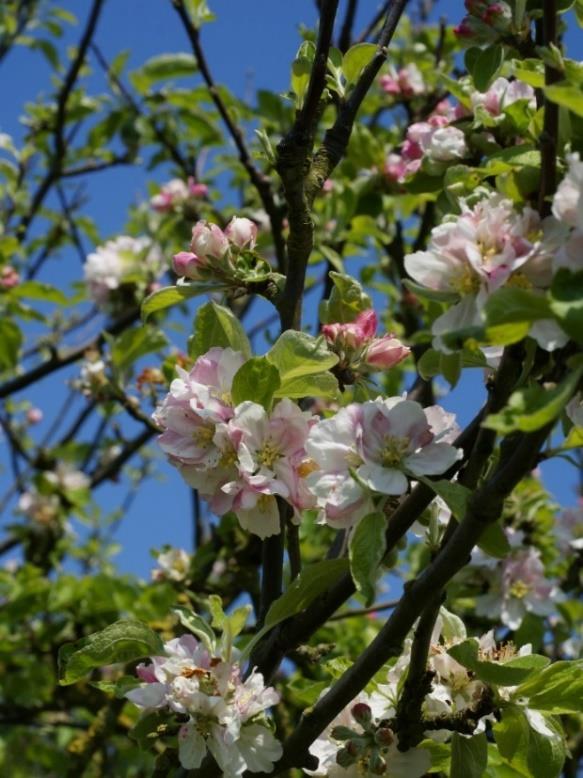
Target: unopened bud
pixel 361 713
pixel 355 747
pixel 384 736
pixel 377 765
pixel 344 758
pixel 342 733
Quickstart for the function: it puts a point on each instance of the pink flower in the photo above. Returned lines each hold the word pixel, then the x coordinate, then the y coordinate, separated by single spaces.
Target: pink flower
pixel 386 352
pixel 196 189
pixel 354 334
pixel 34 415
pixel 175 193
pixel 242 232
pixel 208 241
pixel 503 93
pixel 406 82
pixel 9 278
pixel 188 265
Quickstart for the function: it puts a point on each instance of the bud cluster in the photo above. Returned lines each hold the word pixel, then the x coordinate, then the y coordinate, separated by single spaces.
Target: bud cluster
pixel 485 21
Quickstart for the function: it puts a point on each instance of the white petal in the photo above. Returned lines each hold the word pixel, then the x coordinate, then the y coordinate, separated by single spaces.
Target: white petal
pixel 263 519
pixel 151 695
pixel 191 747
pixel 383 479
pixel 433 459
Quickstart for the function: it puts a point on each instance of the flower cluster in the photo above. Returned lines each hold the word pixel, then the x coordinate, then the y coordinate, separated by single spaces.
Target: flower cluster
pixel 358 348
pixel 406 82
pixel 220 713
pixel 213 251
pixel 176 193
pixel 240 459
pixel 173 565
pixel 42 504
pixel 358 743
pixel 488 246
pixel 435 140
pixel 485 21
pixel 373 448
pixel 123 263
pixel 518 584
pixel 501 94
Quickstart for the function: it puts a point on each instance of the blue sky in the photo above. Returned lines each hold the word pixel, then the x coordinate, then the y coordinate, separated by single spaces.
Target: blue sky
pixel 250 46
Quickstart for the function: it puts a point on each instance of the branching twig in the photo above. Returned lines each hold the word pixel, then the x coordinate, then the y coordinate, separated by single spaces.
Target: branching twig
pixel 549 135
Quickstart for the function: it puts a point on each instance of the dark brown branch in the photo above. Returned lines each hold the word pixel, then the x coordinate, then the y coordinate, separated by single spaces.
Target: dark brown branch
pixel 111 469
pixel 345 39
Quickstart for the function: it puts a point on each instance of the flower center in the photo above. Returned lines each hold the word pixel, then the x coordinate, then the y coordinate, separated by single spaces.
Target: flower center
pixel 467 282
pixel 519 281
pixel 268 455
pixel 519 589
pixel 306 467
pixel 394 450
pixel 204 435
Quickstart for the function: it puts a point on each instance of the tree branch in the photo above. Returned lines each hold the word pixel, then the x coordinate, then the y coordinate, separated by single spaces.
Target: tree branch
pixel 549 135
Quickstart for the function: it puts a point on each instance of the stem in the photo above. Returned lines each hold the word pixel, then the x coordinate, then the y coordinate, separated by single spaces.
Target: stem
pixel 550 132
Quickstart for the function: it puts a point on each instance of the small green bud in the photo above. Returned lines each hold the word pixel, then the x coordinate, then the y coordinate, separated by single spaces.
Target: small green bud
pixel 344 758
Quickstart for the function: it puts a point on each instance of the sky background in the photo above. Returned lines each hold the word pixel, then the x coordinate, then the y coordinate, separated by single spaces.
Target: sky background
pixel 249 47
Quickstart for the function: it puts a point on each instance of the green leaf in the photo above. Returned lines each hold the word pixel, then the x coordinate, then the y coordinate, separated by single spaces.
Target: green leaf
pixel 124 641
pixel 484 64
pixel 430 294
pixel 557 689
pixel 533 754
pixel 35 290
pixel 135 343
pixel 216 325
pixel 313 581
pixel 494 542
pixel 568 96
pixel 347 300
pixel 197 625
pixel 10 343
pixel 174 295
pixel 509 673
pixel 530 409
pixel 469 756
pixel 256 380
pixel 450 366
pixel 567 302
pixel 163 67
pixel 215 606
pixel 317 385
pixel 510 305
pixel 453 494
pixel 301 70
pixel 365 551
pixel 356 59
pixel 299 358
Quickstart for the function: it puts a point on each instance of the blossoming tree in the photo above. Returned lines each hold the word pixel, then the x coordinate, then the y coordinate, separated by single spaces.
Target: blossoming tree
pixel 425 181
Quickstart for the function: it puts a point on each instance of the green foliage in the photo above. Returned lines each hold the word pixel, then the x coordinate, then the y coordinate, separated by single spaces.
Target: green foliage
pixel 356 59
pixel 347 300
pixel 526 749
pixel 469 756
pixel 124 641
pixel 216 325
pixel 365 551
pixel 257 380
pixel 302 362
pixel 508 673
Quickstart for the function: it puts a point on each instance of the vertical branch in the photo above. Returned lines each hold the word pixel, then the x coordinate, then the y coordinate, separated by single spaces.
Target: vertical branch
pixel 272 563
pixel 549 135
pixel 345 39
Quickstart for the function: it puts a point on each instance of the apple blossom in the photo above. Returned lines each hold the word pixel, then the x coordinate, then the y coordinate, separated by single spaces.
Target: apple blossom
pixel 208 241
pixel 375 446
pixel 568 529
pixel 226 715
pixel 9 278
pixel 359 349
pixel 568 199
pixel 486 247
pixel 503 93
pixel 64 477
pixel 173 565
pixel 405 82
pixel 485 20
pixel 121 261
pixel 519 585
pixel 41 508
pixel 271 461
pixel 242 232
pixel 176 192
pixel 34 415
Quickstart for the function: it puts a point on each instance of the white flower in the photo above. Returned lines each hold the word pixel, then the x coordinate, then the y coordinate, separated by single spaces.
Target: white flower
pixel 67 478
pixel 503 93
pixel 42 508
pixel 172 565
pixel 225 714
pixel 446 144
pixel 122 260
pixel 568 199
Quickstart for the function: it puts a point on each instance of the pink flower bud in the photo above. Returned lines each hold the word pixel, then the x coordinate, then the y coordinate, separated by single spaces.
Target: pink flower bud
pixel 242 232
pixel 367 322
pixel 9 278
pixel 464 29
pixel 386 352
pixel 146 673
pixel 196 189
pixel 187 265
pixel 362 713
pixel 208 240
pixel 328 185
pixel 34 415
pixel 354 334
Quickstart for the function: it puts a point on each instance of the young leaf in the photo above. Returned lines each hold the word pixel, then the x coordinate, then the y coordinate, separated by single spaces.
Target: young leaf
pixel 509 305
pixel 216 325
pixel 174 295
pixel 10 343
pixel 298 357
pixel 509 673
pixel 557 689
pixel 256 380
pixel 347 300
pixel 135 343
pixel 484 64
pixel 197 625
pixel 567 302
pixel 567 95
pixel 365 552
pixel 123 641
pixel 453 494
pixel 36 290
pixel 532 408
pixel 535 753
pixel 469 756
pixel 356 59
